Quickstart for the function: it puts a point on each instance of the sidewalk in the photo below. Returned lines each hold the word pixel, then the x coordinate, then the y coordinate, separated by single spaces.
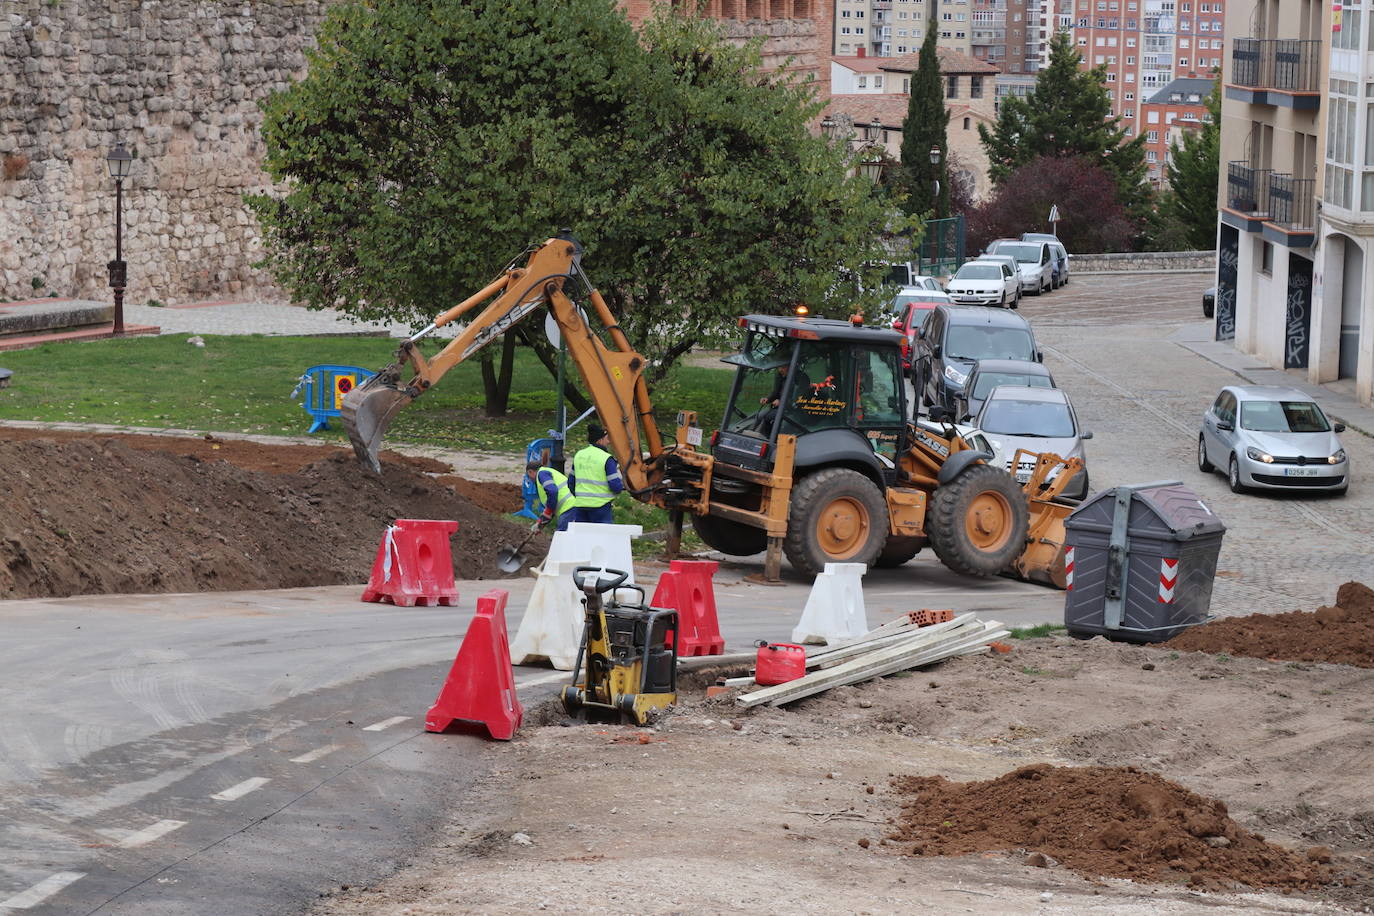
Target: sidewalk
pixel 1339 404
pixel 270 318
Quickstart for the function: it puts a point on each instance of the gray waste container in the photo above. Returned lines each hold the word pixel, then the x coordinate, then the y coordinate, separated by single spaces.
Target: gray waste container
pixel 1140 562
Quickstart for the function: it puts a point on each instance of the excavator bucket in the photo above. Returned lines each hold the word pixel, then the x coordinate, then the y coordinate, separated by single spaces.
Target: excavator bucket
pixel 1043 558
pixel 367 411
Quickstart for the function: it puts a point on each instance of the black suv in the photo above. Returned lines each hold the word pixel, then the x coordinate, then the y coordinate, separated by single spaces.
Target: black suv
pixel 953 340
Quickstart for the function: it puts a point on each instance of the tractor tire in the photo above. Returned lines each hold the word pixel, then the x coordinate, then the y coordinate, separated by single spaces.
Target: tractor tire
pixel 977 522
pixel 729 537
pixel 837 516
pixel 898 551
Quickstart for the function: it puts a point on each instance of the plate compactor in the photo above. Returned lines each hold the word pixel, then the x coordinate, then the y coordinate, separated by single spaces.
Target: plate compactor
pixel 627 664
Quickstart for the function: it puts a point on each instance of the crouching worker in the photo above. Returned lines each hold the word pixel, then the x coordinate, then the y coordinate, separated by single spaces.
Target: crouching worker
pixel 555 495
pixel 596 479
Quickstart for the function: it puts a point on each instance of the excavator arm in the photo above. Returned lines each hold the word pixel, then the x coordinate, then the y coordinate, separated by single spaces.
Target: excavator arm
pixel 614 375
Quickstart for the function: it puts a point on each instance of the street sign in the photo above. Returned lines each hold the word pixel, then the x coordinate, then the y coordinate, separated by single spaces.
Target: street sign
pixel 1054 213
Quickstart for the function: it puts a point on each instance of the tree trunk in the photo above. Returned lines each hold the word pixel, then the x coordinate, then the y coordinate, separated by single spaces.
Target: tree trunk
pixel 496 379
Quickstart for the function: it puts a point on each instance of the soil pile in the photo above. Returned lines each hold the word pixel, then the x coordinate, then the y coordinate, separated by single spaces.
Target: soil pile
pixel 98 515
pixel 496 498
pixel 1108 821
pixel 1342 634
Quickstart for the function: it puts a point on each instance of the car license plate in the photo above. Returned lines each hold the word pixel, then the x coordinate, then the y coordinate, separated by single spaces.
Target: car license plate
pixel 1299 472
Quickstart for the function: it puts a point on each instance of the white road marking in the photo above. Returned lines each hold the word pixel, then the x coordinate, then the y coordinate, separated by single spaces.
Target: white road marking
pixel 242 789
pixel 148 834
pixel 385 723
pixel 316 754
pixel 545 679
pixel 42 890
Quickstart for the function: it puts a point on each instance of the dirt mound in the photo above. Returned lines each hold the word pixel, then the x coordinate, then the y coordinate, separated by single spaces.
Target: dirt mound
pixel 1341 634
pixel 245 453
pixel 101 515
pixel 496 498
pixel 1102 821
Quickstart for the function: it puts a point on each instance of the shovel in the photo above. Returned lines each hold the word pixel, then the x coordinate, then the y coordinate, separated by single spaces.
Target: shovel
pixel 509 559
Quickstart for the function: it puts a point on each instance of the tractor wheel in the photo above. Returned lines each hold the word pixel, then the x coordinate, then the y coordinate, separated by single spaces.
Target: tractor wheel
pixel 977 522
pixel 730 537
pixel 837 516
pixel 897 551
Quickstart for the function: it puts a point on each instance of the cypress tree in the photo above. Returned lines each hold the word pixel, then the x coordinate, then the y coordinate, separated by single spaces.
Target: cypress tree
pixel 924 127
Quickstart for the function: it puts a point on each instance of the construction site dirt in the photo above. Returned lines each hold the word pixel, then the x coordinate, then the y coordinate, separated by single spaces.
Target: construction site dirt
pixel 99 514
pixel 1198 782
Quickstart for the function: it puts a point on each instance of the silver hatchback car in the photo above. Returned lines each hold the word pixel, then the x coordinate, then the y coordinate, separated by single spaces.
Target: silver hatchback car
pixel 1274 439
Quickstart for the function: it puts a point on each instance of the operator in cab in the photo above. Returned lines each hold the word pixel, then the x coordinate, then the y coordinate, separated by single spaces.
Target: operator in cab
pixel 596 479
pixel 555 495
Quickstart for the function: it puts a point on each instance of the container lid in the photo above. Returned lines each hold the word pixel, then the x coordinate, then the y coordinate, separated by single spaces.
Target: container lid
pixel 1164 508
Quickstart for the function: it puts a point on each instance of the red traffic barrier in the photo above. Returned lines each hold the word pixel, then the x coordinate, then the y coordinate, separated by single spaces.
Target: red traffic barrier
pixel 414 565
pixel 480 688
pixel 686 588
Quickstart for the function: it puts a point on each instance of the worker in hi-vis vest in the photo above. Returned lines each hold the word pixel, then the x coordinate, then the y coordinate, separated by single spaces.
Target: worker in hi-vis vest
pixel 555 495
pixel 595 479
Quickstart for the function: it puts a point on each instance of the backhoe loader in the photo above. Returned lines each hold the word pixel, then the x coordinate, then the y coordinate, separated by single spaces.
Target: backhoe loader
pixel 816 456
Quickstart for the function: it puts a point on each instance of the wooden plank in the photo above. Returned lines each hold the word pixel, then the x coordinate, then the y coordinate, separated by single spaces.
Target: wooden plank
pixel 949 638
pixel 829 659
pixel 881 635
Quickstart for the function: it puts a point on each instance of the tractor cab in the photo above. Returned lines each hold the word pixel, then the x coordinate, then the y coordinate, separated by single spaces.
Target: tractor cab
pixel 836 386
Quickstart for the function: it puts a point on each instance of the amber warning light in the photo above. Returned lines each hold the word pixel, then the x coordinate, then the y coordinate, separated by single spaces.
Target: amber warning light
pixel 801 310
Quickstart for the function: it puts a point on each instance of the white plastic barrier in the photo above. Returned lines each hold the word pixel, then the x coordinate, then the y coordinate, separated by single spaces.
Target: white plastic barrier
pixel 552 626
pixel 595 545
pixel 835 608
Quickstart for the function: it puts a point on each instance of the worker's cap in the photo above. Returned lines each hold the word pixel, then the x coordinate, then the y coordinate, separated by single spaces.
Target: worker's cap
pixel 594 433
pixel 533 465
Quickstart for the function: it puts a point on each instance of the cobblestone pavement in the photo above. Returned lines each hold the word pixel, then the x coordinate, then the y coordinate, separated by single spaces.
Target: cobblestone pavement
pixel 1115 344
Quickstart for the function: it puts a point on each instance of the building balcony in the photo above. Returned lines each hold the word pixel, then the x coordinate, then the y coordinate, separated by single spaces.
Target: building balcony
pixel 883 33
pixel 1292 205
pixel 882 4
pixel 1247 191
pixel 1276 71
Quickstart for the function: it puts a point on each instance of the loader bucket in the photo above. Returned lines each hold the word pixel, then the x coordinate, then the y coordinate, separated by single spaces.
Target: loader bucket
pixel 1043 559
pixel 367 411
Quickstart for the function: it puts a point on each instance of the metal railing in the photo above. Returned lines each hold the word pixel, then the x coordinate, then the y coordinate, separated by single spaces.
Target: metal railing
pixel 1292 201
pixel 1247 188
pixel 1291 64
pixel 941 251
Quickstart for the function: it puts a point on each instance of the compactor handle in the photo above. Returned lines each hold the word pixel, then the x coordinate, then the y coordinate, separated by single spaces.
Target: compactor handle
pixel 602 585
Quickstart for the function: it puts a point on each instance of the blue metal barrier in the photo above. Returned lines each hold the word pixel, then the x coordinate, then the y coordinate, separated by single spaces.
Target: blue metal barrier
pixel 324 388
pixel 547 451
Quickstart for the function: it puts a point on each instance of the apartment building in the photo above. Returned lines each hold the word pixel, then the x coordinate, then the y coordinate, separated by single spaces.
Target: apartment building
pixel 891 28
pixel 1009 34
pixel 1295 235
pixel 1147 44
pixel 1167 115
pixel 868 91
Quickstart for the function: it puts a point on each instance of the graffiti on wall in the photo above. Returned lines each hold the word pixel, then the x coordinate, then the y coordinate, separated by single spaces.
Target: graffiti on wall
pixel 1228 263
pixel 1298 315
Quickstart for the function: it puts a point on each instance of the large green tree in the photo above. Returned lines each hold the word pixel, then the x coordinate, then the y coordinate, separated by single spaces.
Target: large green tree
pixel 1068 114
pixel 430 141
pixel 1193 174
pixel 924 127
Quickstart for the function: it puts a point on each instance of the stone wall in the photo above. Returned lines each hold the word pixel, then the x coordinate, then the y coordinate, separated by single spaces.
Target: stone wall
pixel 1137 261
pixel 176 81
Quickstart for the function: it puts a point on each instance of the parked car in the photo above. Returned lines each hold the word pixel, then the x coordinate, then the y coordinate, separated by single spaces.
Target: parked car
pixel 1209 301
pixel 953 340
pixel 911 315
pixel 1015 270
pixel 984 283
pixel 1032 260
pixel 1272 438
pixel 1057 250
pixel 989 373
pixel 921 281
pixel 1038 420
pixel 914 294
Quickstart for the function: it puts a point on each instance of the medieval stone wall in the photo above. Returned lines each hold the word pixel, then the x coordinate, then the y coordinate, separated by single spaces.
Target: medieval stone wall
pixel 177 82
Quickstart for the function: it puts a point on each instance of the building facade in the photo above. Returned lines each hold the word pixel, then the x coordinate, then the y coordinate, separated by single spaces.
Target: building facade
pixel 1295 264
pixel 1166 116
pixel 970 99
pixel 891 28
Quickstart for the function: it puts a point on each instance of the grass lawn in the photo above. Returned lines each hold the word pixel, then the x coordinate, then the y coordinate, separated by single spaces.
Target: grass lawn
pixel 243 384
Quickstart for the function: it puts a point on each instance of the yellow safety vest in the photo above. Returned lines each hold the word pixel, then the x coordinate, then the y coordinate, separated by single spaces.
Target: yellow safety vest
pixel 591 486
pixel 566 500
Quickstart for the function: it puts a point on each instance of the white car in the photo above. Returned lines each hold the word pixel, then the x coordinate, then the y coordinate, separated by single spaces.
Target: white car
pixel 1034 261
pixel 984 283
pixel 1015 269
pixel 1038 420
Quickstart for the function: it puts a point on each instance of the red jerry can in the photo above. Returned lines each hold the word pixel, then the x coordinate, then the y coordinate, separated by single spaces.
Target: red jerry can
pixel 778 663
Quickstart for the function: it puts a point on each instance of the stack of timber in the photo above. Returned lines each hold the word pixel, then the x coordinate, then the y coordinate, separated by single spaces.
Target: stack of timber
pixel 895 646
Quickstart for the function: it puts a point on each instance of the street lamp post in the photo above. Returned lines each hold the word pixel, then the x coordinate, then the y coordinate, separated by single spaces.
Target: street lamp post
pixel 119 162
pixel 935 167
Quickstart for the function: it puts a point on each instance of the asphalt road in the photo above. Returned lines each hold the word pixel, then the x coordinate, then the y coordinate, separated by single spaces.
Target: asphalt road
pixel 242 753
